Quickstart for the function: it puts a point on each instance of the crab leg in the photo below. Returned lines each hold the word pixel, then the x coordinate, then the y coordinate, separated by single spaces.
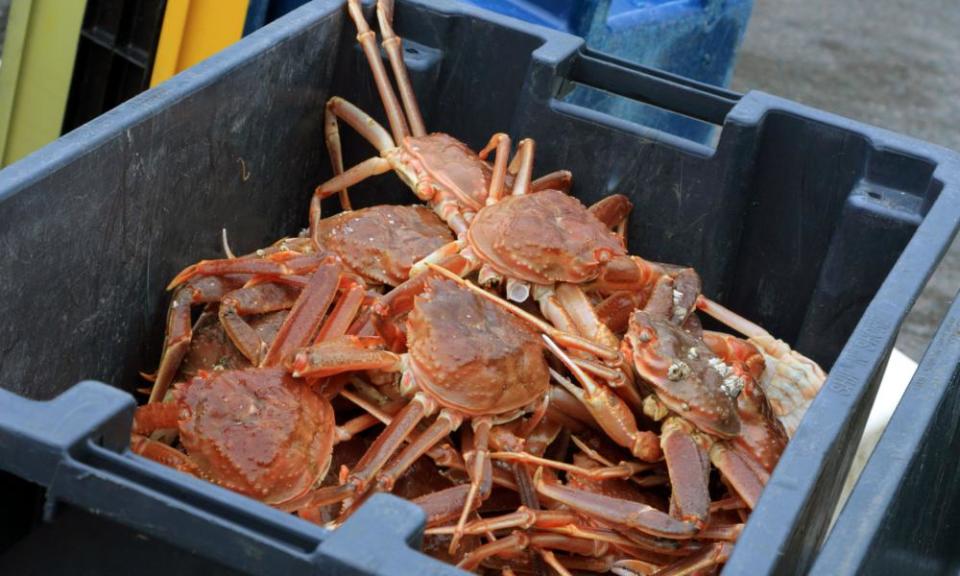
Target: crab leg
pixel 344 312
pixel 582 314
pixel 180 329
pixel 360 121
pixel 256 299
pixel 160 452
pixel 451 256
pixel 689 468
pixel 156 416
pixel 615 310
pixel 709 557
pixel 621 512
pixel 354 426
pixel 444 505
pixel 392 46
pixel 370 167
pixel 303 321
pixel 523 518
pixel 274 264
pixel 611 413
pixel 558 180
pixel 376 457
pixel 480 471
pixel 368 41
pixel 517 542
pixel 443 454
pixel 343 354
pixel 501 143
pixel 612 210
pixel 622 470
pixel 522 167
pixel 742 477
pixel 566 521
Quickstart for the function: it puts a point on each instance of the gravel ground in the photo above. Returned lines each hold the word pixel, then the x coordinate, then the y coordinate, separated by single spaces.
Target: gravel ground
pixel 891 63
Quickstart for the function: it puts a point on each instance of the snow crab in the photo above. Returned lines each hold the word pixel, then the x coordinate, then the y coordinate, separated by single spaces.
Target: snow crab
pixel 440 169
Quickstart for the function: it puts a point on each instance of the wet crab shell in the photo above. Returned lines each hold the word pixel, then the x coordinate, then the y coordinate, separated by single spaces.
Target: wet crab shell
pixel 472 355
pixel 682 371
pixel 543 238
pixel 381 243
pixel 259 432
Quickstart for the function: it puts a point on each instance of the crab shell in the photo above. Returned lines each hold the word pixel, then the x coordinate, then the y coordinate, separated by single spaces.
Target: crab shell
pixel 440 161
pixel 543 238
pixel 381 243
pixel 678 366
pixel 259 432
pixel 471 355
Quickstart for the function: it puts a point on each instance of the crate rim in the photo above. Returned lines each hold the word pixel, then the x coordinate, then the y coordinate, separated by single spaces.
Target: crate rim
pixel 938 226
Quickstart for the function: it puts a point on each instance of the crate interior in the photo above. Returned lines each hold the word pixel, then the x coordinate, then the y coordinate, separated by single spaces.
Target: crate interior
pixel 792 223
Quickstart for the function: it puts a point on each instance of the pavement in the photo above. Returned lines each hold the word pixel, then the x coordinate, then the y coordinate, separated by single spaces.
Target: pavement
pixel 891 63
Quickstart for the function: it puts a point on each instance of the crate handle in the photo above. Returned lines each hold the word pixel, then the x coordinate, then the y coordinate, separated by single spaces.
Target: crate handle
pixel 651 86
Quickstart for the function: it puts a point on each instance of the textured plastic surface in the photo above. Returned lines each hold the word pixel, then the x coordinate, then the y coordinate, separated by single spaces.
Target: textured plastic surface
pixel 820 228
pixel 902 516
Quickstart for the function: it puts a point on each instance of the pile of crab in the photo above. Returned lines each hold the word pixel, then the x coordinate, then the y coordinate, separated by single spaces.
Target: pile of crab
pixel 495 355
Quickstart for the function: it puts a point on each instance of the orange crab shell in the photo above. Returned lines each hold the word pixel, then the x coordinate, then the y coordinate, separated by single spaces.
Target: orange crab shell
pixel 543 238
pixel 258 432
pixel 441 160
pixel 678 366
pixel 381 243
pixel 472 355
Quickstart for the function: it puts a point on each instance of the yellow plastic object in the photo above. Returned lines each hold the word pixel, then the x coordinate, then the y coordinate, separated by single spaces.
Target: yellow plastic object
pixel 193 30
pixel 38 56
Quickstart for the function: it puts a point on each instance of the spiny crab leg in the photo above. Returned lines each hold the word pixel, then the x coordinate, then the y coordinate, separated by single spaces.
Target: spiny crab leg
pixel 564 338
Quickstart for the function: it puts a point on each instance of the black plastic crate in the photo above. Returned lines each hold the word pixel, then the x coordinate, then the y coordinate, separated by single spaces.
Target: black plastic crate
pixel 903 516
pixel 822 229
pixel 115 53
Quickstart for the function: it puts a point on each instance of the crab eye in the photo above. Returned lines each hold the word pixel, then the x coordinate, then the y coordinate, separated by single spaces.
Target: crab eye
pixel 646 335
